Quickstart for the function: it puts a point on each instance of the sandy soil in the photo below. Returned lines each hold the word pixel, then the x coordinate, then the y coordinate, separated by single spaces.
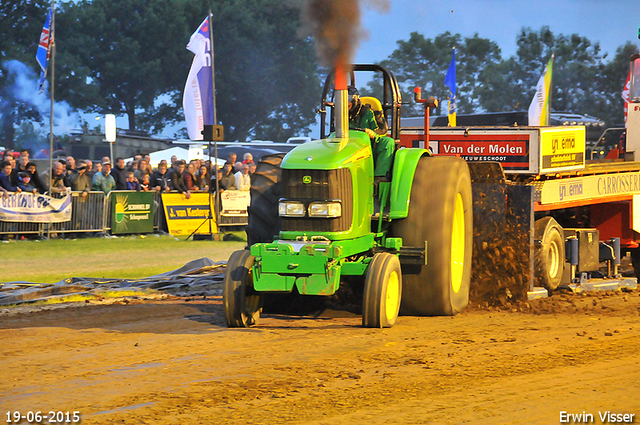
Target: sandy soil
pixel 173 362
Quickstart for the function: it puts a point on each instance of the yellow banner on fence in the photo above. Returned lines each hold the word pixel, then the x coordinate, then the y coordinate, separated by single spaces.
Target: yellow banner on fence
pixel 184 215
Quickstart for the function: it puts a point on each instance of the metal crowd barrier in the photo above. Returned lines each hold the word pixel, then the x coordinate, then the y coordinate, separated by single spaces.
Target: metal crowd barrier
pixel 92 214
pixel 87 216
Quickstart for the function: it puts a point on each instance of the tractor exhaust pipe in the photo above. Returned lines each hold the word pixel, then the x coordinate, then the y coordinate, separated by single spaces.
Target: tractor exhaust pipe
pixel 341 102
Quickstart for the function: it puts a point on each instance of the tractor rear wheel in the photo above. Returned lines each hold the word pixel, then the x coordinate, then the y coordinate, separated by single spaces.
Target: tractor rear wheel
pixel 382 292
pixel 440 220
pixel 549 253
pixel 264 221
pixel 242 304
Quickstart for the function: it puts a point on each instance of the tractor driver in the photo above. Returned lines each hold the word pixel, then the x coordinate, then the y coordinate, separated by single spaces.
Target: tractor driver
pixel 361 118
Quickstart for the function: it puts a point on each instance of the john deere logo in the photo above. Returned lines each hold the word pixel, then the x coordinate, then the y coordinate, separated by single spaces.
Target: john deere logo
pixel 306 179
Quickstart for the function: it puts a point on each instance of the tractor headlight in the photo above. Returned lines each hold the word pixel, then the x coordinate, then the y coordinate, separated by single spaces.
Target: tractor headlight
pixel 290 209
pixel 325 209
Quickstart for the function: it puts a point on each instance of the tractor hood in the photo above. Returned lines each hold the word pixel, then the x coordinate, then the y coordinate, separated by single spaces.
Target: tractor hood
pixel 329 153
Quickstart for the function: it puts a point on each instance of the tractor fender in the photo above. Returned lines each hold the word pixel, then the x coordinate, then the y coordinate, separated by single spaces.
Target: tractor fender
pixel 404 168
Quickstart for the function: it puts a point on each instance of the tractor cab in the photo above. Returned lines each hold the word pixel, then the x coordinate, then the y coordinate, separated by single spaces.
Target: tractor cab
pixel 385 106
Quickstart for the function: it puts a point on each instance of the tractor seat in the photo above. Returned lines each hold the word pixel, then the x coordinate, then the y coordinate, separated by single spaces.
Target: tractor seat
pixel 378 113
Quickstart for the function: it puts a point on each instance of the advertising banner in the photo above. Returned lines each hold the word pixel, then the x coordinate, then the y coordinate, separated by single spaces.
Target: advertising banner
pixel 512 150
pixel 27 207
pixel 235 203
pixel 562 148
pixel 184 215
pixel 131 212
pixel 590 187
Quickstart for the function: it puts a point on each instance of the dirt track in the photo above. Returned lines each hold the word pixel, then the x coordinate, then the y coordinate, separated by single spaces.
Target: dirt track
pixel 173 361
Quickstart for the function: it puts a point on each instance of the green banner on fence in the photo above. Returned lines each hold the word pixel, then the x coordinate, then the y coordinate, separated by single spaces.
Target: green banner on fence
pixel 131 212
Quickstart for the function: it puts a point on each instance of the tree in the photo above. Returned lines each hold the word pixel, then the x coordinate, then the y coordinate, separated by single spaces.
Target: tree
pixel 611 79
pixel 266 75
pixel 127 56
pixel 121 56
pixel 21 22
pixel 423 62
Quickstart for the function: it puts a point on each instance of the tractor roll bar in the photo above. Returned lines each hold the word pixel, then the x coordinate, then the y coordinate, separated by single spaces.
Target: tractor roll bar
pixel 391 101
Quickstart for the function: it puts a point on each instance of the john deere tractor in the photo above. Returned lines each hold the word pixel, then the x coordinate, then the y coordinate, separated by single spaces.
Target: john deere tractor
pixel 409 244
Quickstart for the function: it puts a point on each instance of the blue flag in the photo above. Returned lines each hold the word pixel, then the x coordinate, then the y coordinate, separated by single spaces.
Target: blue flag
pixel 450 81
pixel 44 49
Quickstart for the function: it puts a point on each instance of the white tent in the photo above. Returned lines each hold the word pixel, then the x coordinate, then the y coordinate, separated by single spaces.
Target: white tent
pixel 179 152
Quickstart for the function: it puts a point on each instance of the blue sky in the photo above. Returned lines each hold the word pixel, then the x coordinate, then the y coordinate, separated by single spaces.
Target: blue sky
pixel 609 22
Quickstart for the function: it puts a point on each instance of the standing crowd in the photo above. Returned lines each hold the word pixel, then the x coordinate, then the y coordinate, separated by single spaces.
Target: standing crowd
pixel 20 175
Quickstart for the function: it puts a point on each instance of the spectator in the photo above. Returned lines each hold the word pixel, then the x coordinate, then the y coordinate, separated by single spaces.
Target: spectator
pixel 105 159
pixel 145 186
pixel 227 181
pixel 141 169
pixel 5 178
pixel 58 182
pixel 243 180
pixel 189 178
pixel 252 168
pixel 20 167
pixel 202 178
pixel 160 180
pixel 177 181
pixel 237 167
pixel 103 181
pixel 174 159
pixel 80 181
pixel 248 158
pixel 119 174
pixel 219 177
pixel 71 166
pixel 24 183
pixel 98 169
pixel 36 181
pixel 231 158
pixel 132 183
pixel 90 171
pixel 133 166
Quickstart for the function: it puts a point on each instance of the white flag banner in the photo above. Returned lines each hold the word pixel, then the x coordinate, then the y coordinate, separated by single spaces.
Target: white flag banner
pixel 197 102
pixel 27 207
pixel 539 108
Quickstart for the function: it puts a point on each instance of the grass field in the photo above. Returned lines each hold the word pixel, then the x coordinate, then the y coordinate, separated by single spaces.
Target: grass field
pixel 123 257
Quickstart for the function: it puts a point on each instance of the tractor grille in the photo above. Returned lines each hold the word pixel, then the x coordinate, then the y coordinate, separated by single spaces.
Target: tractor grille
pixel 325 185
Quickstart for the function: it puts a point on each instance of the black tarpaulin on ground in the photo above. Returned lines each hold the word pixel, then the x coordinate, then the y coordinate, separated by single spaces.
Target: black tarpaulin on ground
pixel 200 276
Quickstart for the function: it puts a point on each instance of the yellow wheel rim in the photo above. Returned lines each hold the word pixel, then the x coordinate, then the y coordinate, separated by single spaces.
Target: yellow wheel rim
pixel 457 244
pixel 393 293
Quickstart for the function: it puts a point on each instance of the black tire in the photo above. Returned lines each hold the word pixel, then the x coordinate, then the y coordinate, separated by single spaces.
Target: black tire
pixel 242 305
pixel 635 261
pixel 382 292
pixel 440 213
pixel 264 222
pixel 549 253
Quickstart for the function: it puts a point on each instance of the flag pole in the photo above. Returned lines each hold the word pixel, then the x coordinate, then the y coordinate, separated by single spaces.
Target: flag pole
pixel 550 89
pixel 53 62
pixel 215 122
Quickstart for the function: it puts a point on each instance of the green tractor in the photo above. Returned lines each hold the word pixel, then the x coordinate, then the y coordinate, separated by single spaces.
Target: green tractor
pixel 408 241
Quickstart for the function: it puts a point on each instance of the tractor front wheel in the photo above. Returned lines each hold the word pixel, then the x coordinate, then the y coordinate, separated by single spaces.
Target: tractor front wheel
pixel 382 291
pixel 242 304
pixel 549 253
